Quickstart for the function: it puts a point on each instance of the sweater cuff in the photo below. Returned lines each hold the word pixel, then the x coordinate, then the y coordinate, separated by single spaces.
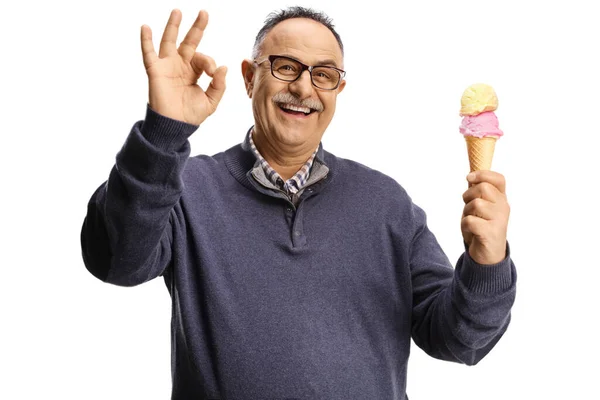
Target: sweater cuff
pixel 486 279
pixel 164 132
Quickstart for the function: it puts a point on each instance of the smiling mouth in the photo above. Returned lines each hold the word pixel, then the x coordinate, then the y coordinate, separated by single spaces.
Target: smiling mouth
pixel 295 110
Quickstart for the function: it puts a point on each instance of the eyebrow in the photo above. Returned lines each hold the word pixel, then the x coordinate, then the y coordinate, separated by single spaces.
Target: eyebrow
pixel 328 62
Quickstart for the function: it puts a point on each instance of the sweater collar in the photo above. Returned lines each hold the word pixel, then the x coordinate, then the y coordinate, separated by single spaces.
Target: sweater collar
pixel 240 160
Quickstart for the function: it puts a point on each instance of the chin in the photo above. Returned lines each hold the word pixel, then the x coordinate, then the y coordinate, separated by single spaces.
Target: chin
pixel 291 135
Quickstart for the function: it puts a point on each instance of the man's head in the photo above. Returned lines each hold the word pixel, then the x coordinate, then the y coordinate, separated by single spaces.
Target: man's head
pixel 283 89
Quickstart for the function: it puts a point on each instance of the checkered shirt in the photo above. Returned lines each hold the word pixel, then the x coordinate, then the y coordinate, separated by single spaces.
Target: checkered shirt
pixel 292 185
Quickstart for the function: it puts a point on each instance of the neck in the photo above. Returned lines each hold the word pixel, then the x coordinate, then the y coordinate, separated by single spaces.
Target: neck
pixel 285 160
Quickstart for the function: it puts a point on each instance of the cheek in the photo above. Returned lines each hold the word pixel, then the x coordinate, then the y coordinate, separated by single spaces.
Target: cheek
pixel 264 94
pixel 329 106
pixel 260 102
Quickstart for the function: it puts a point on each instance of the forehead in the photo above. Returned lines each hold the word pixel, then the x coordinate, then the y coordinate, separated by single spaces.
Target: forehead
pixel 303 38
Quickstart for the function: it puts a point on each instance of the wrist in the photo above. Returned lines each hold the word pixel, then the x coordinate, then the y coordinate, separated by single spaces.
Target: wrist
pixel 486 256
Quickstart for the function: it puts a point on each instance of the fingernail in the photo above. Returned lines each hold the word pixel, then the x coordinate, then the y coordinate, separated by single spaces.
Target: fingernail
pixel 471 176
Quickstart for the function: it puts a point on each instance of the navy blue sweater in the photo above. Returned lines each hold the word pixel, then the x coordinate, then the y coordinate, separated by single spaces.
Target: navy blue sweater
pixel 271 300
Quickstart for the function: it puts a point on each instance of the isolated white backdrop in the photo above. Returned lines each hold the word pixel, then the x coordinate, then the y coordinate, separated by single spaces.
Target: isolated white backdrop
pixel 72 85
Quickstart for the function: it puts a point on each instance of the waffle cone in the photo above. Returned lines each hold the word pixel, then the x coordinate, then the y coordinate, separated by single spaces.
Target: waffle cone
pixel 481 152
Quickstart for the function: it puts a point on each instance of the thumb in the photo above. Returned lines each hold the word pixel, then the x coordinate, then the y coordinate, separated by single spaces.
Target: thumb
pixel 217 86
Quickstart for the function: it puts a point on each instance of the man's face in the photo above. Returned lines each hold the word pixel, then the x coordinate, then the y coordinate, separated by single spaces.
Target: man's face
pixel 312 44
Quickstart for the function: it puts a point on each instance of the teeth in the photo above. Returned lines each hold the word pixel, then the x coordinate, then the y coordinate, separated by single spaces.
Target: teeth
pixel 292 107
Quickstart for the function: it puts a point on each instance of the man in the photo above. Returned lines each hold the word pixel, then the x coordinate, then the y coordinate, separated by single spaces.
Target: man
pixel 293 273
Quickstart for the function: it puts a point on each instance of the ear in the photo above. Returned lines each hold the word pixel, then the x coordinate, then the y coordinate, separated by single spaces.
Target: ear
pixel 342 86
pixel 248 69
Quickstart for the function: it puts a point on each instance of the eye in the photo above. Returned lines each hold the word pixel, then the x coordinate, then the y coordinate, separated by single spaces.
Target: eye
pixel 325 75
pixel 287 68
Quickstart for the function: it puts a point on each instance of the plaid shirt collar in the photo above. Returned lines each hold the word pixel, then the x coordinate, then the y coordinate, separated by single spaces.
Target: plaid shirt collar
pixel 292 185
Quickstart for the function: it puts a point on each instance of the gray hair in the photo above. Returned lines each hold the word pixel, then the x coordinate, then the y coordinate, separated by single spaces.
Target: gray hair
pixel 293 12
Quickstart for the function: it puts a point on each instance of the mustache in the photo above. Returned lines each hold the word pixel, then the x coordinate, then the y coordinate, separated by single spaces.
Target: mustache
pixel 288 98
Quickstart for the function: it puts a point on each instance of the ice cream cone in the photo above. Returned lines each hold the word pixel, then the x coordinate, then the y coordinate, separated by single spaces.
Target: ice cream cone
pixel 481 152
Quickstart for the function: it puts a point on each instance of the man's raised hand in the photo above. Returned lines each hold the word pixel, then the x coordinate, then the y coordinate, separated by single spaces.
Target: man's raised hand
pixel 173 74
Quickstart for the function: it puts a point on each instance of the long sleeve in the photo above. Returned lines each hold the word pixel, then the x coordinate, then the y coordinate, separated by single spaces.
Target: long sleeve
pixel 126 235
pixel 458 314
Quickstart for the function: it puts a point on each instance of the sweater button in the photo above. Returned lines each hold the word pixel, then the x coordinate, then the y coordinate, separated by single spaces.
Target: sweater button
pixel 289 209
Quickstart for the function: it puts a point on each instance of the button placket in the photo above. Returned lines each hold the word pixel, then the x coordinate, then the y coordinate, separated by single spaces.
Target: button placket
pixel 298 237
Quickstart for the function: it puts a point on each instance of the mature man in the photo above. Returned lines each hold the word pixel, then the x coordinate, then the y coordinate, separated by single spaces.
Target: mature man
pixel 292 273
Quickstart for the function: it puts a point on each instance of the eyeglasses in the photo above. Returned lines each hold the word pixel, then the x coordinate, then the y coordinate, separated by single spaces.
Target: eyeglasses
pixel 289 70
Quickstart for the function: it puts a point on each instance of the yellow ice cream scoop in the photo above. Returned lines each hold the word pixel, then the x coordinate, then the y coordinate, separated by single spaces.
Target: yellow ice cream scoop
pixel 478 98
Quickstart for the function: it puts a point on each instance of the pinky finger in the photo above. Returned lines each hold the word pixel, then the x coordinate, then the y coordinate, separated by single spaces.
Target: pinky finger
pixel 148 53
pixel 473 225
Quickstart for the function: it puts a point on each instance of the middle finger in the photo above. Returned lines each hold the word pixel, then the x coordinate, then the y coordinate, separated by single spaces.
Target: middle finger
pixel 482 190
pixel 480 208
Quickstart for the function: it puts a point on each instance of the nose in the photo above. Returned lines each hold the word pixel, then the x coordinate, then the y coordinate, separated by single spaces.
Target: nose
pixel 302 87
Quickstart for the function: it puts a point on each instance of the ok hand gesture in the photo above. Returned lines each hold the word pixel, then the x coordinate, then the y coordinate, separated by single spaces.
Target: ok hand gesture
pixel 173 73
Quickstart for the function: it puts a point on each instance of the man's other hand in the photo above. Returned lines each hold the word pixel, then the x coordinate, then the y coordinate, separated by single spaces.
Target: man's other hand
pixel 485 217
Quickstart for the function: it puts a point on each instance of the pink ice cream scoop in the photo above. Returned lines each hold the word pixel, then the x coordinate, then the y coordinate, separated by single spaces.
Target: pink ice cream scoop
pixel 481 125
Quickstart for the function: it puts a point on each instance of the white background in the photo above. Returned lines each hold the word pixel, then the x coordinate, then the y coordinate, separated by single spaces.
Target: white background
pixel 72 85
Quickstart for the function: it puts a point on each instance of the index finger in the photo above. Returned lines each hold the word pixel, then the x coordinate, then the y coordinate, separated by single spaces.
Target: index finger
pixel 494 178
pixel 192 39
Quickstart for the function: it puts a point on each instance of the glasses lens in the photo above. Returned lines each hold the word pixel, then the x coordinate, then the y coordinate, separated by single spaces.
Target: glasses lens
pixel 286 69
pixel 325 77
